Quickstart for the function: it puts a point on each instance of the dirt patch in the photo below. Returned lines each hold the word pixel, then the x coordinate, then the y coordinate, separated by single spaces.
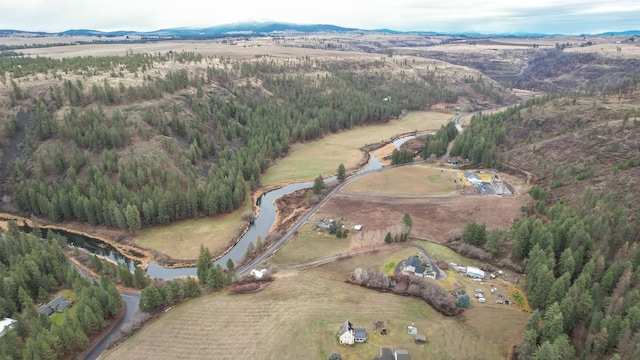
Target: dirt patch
pixel 433 217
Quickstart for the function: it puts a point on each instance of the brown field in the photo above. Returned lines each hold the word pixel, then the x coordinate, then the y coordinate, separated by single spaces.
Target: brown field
pixel 406 180
pixel 298 315
pixel 433 217
pixel 332 150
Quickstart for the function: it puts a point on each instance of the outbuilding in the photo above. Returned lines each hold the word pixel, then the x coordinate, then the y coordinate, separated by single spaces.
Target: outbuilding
pixel 475 272
pixel 6 324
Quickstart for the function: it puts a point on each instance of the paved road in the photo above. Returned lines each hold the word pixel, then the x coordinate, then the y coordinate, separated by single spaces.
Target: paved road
pixel 131 301
pixel 245 269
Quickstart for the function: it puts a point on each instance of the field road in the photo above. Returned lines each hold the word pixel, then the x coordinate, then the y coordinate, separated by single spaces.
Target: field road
pixel 245 269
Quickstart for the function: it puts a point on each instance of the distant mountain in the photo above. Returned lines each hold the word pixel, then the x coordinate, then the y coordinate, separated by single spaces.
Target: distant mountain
pixel 620 33
pixel 272 28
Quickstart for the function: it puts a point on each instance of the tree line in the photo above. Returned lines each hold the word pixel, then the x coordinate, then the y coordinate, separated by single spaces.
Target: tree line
pixel 32 270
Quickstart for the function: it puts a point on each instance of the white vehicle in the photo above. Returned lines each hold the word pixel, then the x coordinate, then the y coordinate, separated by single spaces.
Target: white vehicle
pixel 482 300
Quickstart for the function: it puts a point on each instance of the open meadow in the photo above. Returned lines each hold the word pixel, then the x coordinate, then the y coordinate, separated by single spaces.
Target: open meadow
pixel 406 180
pixel 310 244
pixel 182 239
pixel 322 157
pixel 298 315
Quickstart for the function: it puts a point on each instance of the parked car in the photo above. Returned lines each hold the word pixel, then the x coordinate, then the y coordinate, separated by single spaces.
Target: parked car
pixel 482 300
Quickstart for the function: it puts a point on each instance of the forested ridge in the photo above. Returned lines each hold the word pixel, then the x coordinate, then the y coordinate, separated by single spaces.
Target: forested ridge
pixel 578 245
pixel 176 136
pixel 32 271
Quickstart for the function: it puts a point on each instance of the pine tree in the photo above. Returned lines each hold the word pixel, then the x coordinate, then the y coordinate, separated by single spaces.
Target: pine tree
pixel 318 185
pixel 341 172
pixel 205 262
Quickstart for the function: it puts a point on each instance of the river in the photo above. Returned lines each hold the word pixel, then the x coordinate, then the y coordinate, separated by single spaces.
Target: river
pixel 260 227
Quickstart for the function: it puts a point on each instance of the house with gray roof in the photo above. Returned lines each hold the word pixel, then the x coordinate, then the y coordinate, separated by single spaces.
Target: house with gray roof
pixel 413 266
pixel 59 304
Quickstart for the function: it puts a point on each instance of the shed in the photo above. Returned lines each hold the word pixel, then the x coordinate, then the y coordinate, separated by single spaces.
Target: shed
pixel 401 355
pixel 6 324
pixel 475 272
pixel 420 338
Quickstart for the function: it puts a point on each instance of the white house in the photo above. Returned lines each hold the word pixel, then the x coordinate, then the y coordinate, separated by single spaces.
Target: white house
pixel 474 272
pixel 6 324
pixel 346 335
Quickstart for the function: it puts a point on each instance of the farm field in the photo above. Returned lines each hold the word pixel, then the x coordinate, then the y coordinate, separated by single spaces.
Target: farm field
pixel 332 150
pixel 310 244
pixel 203 327
pixel 406 180
pixel 182 239
pixel 433 217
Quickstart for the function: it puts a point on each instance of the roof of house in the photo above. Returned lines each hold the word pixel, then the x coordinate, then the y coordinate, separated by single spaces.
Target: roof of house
pixel 45 309
pixel 360 332
pixel 63 305
pixel 345 326
pixel 414 261
pixel 6 323
pixel 55 302
pixel 402 354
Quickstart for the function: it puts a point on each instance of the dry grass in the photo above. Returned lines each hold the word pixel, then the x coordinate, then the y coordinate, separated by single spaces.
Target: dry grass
pixel 297 317
pixel 329 152
pixel 406 180
pixel 182 239
pixel 309 245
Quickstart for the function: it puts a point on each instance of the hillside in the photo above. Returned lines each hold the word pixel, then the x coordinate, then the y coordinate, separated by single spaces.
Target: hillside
pixel 144 139
pixel 578 242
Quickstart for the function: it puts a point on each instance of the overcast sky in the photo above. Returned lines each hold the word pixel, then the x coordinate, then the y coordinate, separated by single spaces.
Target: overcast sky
pixel 541 16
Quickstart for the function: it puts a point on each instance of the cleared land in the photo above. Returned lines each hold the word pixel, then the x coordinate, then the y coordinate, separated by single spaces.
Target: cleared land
pixel 322 157
pixel 406 180
pixel 297 317
pixel 182 239
pixel 433 217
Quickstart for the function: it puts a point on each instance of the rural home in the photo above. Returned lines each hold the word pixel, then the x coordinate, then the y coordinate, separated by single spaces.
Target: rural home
pixel 413 266
pixel 6 324
pixel 474 272
pixel 401 355
pixel 349 335
pixel 58 304
pixel 346 334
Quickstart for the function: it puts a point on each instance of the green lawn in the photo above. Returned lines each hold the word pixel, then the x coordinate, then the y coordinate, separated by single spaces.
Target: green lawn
pixel 59 318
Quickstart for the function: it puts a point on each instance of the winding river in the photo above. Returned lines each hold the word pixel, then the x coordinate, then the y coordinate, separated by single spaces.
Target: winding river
pixel 260 227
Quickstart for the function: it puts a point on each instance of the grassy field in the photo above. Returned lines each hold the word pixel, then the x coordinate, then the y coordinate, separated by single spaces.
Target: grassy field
pixel 332 150
pixel 406 180
pixel 297 317
pixel 182 239
pixel 309 245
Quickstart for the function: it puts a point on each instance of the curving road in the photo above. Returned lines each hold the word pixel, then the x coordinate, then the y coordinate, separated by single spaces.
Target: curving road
pixel 131 300
pixel 245 269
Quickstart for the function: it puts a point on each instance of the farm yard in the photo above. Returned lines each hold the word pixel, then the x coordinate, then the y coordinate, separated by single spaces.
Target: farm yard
pixel 298 316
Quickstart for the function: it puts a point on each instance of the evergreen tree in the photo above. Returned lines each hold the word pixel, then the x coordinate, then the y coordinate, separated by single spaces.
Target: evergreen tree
pixel 205 262
pixel 318 185
pixel 463 301
pixel 341 172
pixel 151 298
pixel 387 238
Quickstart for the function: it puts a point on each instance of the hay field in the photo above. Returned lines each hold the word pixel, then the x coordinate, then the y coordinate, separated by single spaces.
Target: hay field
pixel 182 239
pixel 322 157
pixel 406 180
pixel 297 317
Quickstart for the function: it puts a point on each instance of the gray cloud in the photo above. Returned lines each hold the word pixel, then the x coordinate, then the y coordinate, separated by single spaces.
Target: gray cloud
pixel 545 16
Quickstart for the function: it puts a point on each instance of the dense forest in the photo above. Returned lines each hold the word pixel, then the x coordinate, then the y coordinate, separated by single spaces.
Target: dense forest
pixel 578 245
pixel 33 271
pixel 191 142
